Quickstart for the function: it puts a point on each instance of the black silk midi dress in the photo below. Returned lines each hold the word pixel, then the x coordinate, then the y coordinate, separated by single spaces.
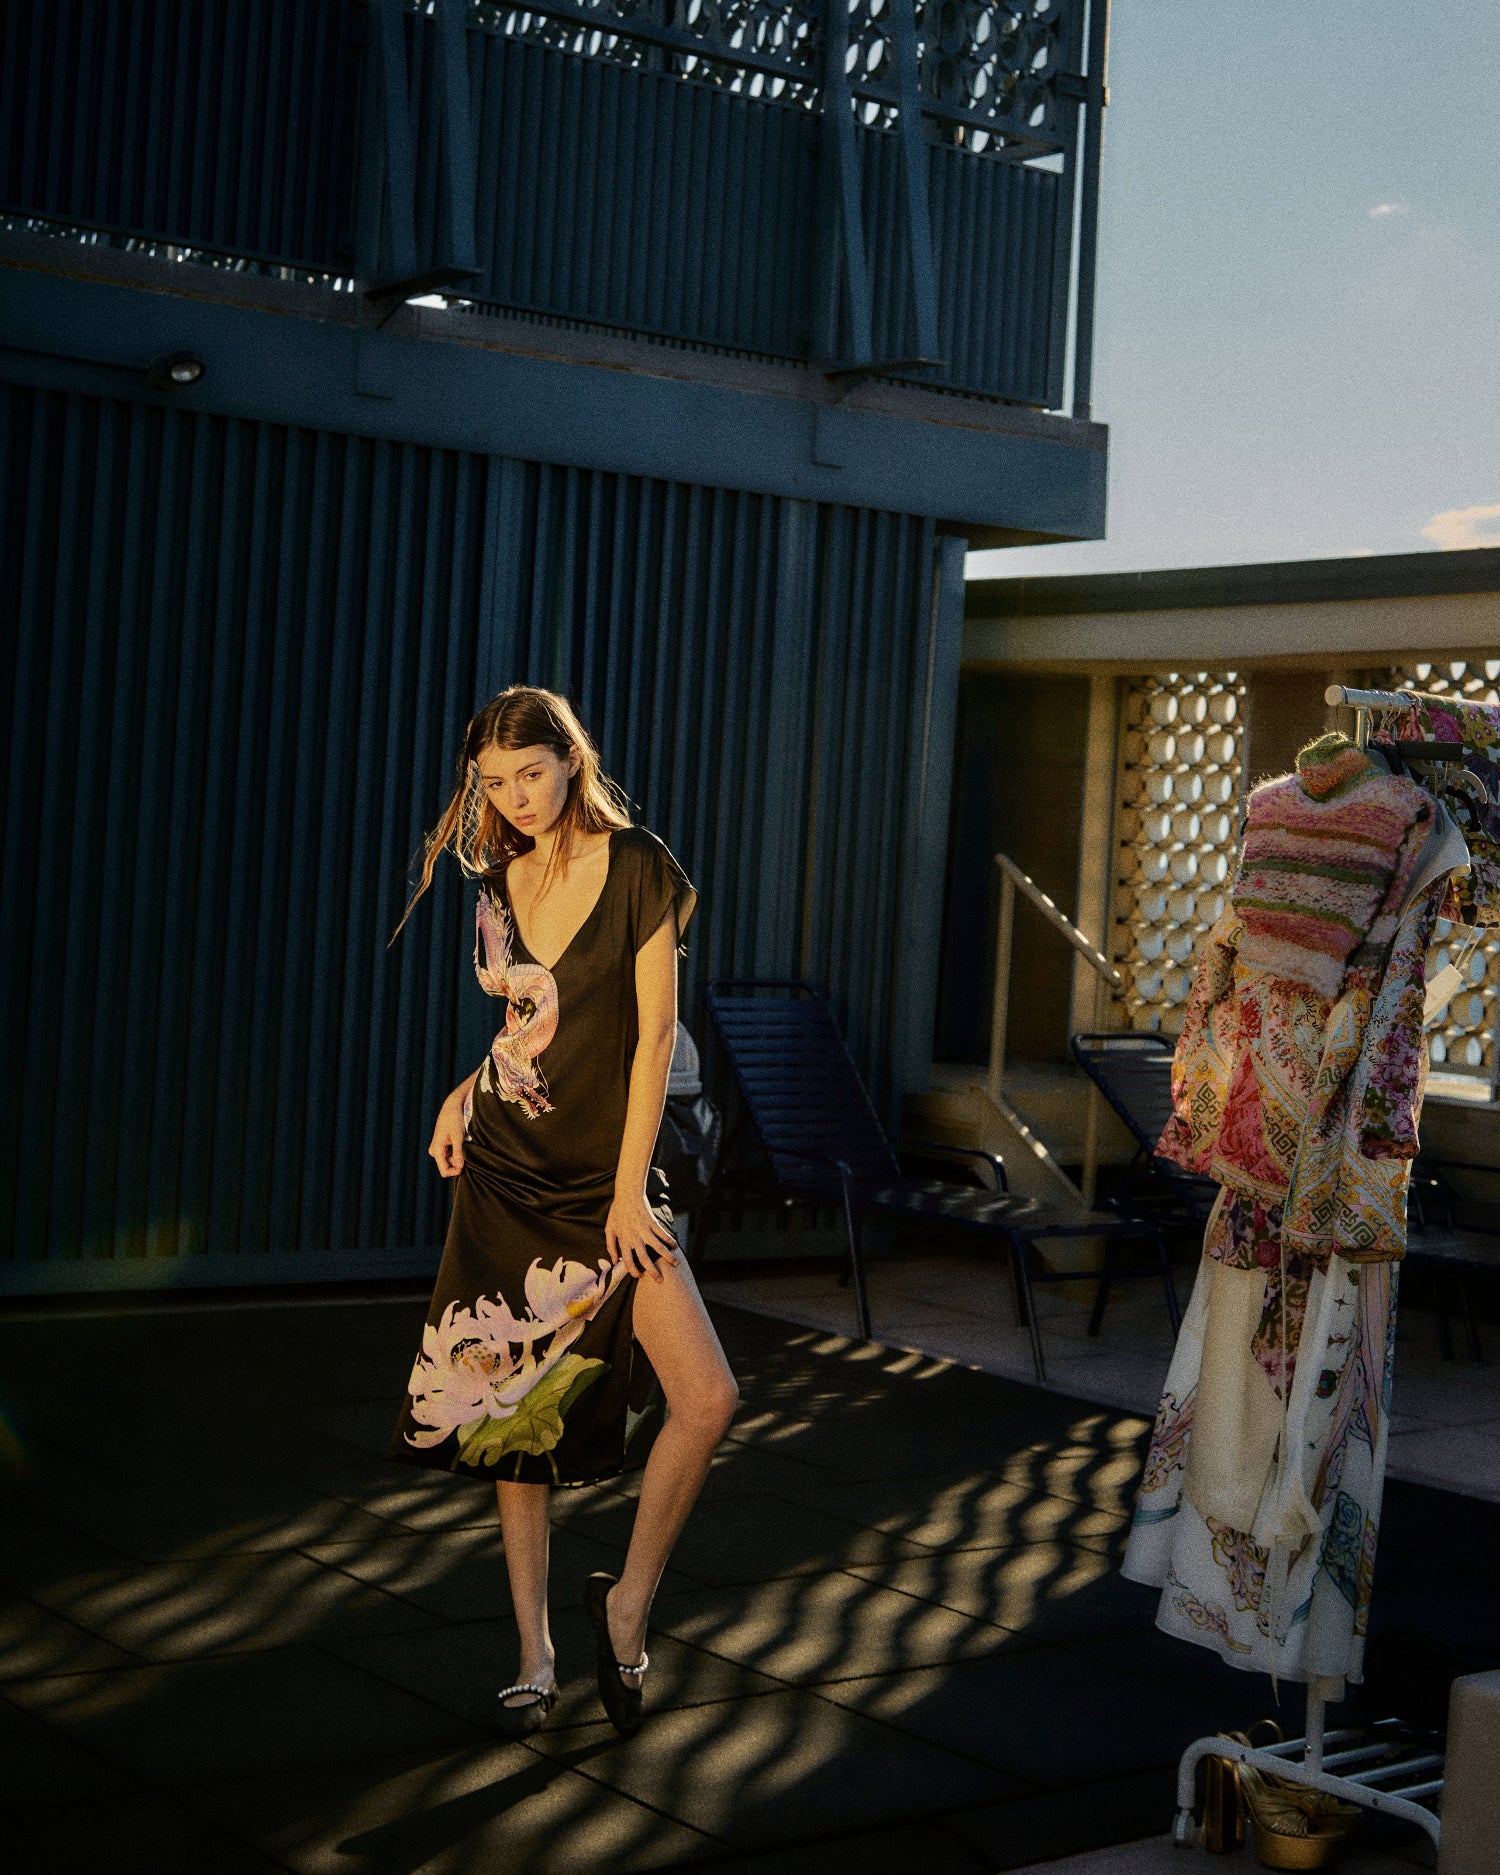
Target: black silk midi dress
pixel 528 1367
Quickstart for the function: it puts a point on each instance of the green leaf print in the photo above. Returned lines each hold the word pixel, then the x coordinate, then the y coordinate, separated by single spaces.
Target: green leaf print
pixel 537 1423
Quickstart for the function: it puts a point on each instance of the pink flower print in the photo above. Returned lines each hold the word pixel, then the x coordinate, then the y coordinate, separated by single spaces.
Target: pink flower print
pixel 457 1375
pixel 466 1371
pixel 570 1291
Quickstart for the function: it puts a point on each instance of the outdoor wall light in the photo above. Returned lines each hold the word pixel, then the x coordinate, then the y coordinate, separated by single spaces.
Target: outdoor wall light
pixel 174 371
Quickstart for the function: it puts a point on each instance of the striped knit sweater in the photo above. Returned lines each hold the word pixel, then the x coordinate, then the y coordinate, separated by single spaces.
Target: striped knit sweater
pixel 1327 858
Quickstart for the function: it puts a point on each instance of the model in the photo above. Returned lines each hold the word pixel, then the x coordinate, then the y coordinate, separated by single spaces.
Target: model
pixel 562 1299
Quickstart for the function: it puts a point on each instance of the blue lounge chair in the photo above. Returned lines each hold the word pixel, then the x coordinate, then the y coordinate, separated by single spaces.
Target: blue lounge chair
pixel 803 1096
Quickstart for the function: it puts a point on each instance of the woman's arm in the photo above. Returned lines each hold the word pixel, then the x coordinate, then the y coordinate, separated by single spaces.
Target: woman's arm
pixel 632 1230
pixel 447 1148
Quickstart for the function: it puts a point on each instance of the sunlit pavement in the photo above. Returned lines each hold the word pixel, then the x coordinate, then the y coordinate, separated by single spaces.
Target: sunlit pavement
pixel 1445 1421
pixel 893 1636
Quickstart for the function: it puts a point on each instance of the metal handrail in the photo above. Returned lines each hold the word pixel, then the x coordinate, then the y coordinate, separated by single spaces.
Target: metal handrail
pixel 1012 880
pixel 1060 921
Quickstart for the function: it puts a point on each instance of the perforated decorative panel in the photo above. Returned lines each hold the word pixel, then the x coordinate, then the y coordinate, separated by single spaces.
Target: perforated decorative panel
pixel 1177 822
pixel 987 70
pixel 1463 1042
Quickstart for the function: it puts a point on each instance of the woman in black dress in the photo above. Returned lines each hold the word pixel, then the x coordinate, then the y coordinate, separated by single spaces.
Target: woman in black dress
pixel 561 1298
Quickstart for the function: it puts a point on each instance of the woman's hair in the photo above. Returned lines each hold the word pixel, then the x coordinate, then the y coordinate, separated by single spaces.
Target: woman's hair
pixel 476 832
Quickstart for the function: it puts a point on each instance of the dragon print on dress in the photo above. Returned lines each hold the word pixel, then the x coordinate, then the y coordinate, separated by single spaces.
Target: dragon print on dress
pixel 511 1068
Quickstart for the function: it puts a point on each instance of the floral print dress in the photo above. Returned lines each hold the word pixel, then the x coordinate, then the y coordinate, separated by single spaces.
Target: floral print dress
pixel 528 1368
pixel 1259 1508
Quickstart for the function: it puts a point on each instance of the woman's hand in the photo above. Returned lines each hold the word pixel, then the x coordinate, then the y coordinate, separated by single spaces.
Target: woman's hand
pixel 635 1233
pixel 447 1147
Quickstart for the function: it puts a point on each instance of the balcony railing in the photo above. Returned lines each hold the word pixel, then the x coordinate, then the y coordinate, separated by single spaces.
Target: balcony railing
pixel 873 187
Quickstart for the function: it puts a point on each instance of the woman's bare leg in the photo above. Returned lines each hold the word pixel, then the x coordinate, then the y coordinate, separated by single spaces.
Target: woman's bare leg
pixel 524 1530
pixel 673 1328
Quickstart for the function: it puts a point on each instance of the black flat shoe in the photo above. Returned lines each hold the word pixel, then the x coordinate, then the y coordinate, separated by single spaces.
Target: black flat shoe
pixel 623 1703
pixel 522 1721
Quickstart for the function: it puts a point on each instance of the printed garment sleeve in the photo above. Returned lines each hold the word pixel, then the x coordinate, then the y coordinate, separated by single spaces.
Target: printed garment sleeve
pixel 1375 949
pixel 1203 1058
pixel 659 883
pixel 1344 1196
pixel 1392 1070
pixel 1474 730
pixel 1373 979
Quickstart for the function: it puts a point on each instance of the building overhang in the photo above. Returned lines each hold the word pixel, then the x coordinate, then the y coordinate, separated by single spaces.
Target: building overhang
pixel 92 319
pixel 1294 614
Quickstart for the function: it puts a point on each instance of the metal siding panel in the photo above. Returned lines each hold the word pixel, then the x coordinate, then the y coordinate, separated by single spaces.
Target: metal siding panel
pixel 930 739
pixel 22 492
pixel 386 970
pixel 175 165
pixel 173 1069
pixel 893 579
pixel 111 1207
pixel 215 937
pixel 990 325
pixel 717 296
pixel 1013 344
pixel 69 771
pixel 407 1116
pixel 829 650
pixel 731 880
pixel 533 122
pixel 687 179
pixel 306 710
pixel 334 781
pixel 82 1209
pixel 1032 283
pixel 675 785
pixel 700 753
pixel 583 217
pixel 487 116
pixel 737 184
pixel 867 600
pixel 148 1135
pixel 657 230
pixel 700 209
pixel 782 753
pixel 603 233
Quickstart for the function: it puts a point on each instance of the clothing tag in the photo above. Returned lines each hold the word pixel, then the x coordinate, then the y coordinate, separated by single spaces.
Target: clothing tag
pixel 1441 991
pixel 1450 979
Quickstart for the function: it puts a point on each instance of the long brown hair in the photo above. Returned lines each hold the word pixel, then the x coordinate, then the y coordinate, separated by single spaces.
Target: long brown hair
pixel 479 836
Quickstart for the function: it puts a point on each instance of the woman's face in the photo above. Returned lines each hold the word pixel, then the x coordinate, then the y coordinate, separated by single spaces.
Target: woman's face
pixel 528 786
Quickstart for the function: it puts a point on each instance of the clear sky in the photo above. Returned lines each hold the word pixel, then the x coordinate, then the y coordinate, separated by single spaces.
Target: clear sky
pixel 1298 347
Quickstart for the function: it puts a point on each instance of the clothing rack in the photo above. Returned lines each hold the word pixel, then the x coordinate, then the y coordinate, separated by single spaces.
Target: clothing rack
pixel 1362 702
pixel 1381 1769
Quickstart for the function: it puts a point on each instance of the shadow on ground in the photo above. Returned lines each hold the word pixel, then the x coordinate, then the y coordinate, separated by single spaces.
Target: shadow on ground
pixel 894 1635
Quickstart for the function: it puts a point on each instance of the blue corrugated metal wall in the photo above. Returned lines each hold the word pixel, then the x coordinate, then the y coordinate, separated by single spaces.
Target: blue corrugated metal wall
pixel 245 653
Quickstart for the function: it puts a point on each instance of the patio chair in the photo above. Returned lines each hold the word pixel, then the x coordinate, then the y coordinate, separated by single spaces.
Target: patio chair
pixel 1134 1074
pixel 824 1141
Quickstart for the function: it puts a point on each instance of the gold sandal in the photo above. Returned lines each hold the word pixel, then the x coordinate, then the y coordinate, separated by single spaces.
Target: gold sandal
pixel 1223 1812
pixel 1295 1827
